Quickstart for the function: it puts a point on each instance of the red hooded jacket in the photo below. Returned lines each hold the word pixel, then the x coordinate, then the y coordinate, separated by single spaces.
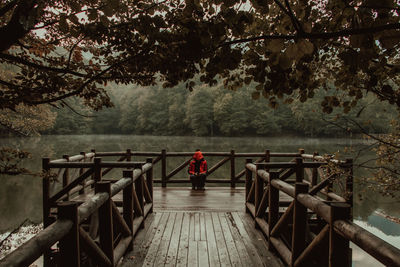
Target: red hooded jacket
pixel 201 163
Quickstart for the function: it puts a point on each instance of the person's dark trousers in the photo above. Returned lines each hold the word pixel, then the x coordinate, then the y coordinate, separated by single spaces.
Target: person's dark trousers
pixel 198 181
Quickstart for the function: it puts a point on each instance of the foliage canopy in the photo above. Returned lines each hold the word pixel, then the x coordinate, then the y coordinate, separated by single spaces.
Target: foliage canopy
pixel 288 48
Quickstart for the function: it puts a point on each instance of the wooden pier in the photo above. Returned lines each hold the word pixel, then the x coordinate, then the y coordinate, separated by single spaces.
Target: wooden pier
pixel 294 210
pixel 200 228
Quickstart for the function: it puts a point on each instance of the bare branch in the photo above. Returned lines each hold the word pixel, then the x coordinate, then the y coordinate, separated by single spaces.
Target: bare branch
pixel 372 136
pixel 76 112
pixel 296 23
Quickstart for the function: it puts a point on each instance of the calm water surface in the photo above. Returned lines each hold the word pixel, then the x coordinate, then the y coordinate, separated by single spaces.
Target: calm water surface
pixel 20 197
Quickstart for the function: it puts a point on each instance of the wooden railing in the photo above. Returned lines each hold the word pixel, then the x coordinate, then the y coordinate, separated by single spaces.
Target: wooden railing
pixel 166 176
pixel 304 221
pixel 93 227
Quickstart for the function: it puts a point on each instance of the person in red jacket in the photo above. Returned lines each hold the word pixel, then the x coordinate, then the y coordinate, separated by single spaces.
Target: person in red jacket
pixel 198 170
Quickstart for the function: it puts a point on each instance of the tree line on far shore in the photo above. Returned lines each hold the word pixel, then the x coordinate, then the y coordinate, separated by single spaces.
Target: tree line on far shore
pixel 216 111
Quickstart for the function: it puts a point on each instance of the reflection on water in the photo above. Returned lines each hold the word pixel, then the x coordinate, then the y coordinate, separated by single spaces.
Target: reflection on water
pixel 382 228
pixel 20 197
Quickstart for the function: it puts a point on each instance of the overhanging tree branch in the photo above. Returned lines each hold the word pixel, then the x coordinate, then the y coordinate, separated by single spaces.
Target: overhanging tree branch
pixel 21 22
pixel 8 7
pixel 322 35
pixel 80 89
pixel 14 59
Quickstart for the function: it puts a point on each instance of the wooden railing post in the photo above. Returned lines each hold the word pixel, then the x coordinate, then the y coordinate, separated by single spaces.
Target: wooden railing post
pixel 149 181
pixel 248 182
pixel 314 177
pixel 92 159
pixel 97 169
pixel 46 192
pixel 46 205
pixel 267 156
pixel 127 196
pixel 329 187
pixel 299 170
pixel 106 221
pixel 69 244
pixel 81 171
pixel 139 188
pixel 128 154
pixel 66 176
pixel 233 182
pixel 339 250
pixel 299 223
pixel 273 204
pixel 349 181
pixel 258 188
pixel 163 168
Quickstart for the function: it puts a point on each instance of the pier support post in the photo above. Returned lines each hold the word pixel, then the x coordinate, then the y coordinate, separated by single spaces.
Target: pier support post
pixel 69 244
pixel 339 250
pixel 258 189
pixel 163 168
pixel 299 223
pixel 106 221
pixel 97 169
pixel 81 171
pixel 127 196
pixel 149 181
pixel 233 182
pixel 66 176
pixel 299 170
pixel 273 204
pixel 248 182
pixel 139 188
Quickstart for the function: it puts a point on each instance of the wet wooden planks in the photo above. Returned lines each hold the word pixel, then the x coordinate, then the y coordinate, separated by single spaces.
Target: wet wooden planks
pixel 188 238
pixel 186 199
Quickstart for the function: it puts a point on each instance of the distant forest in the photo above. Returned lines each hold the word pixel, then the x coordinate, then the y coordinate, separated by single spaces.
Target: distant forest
pixel 216 111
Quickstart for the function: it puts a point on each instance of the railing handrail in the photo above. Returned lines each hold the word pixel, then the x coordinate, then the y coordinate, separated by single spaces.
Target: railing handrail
pixel 184 154
pixel 85 160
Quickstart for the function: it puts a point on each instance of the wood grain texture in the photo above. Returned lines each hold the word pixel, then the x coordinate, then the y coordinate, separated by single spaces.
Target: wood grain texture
pixel 200 235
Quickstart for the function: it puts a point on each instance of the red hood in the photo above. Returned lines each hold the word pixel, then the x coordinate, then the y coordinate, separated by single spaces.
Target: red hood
pixel 198 155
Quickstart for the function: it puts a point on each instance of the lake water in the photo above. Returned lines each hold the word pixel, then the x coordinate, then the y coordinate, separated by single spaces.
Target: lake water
pixel 20 196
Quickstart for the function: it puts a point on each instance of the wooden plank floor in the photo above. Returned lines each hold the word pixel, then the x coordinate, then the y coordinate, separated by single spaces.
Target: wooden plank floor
pixel 199 228
pixel 200 239
pixel 186 199
pixel 211 199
